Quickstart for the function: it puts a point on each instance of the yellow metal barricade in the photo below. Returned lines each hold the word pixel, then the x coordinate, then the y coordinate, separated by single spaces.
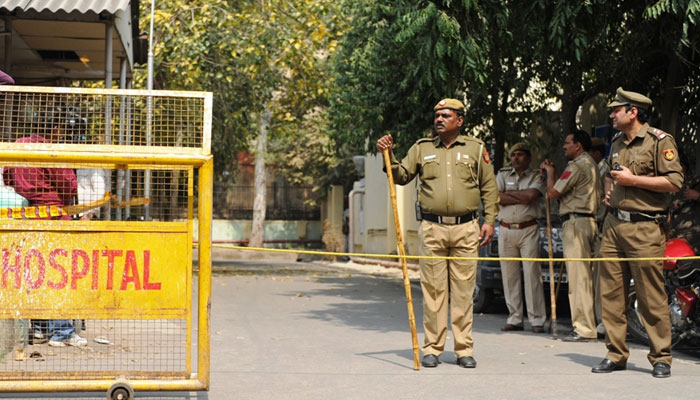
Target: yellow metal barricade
pixel 97 292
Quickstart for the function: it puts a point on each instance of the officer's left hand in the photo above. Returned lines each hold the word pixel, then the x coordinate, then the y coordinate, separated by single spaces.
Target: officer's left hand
pixel 486 234
pixel 623 176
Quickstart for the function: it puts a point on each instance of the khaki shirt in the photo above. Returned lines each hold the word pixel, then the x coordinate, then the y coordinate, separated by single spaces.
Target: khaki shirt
pixel 603 171
pixel 579 186
pixel 508 180
pixel 452 180
pixel 651 152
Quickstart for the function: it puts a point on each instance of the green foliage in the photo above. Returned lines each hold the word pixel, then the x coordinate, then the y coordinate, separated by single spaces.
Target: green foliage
pixel 507 60
pixel 251 55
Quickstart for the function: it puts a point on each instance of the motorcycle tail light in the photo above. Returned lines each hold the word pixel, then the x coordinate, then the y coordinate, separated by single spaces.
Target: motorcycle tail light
pixel 686 300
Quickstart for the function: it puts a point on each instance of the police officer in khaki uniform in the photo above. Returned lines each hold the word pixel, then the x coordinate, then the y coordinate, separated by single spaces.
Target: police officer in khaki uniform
pixel 578 189
pixel 520 189
pixel 597 152
pixel 455 175
pixel 645 170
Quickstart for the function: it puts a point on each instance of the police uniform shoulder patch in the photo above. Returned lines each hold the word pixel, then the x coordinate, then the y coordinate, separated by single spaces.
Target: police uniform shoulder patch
pixel 485 156
pixel 505 169
pixel 669 154
pixel 617 136
pixel 566 174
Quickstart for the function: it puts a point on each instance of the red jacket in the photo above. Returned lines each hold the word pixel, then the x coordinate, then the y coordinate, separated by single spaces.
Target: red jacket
pixel 42 186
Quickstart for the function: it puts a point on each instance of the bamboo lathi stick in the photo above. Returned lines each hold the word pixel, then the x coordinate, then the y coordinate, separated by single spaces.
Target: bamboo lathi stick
pixel 552 293
pixel 404 267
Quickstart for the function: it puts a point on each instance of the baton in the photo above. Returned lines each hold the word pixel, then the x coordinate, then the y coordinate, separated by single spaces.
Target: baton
pixel 404 266
pixel 552 293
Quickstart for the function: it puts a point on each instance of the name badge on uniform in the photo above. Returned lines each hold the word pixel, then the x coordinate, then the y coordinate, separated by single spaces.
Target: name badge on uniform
pixel 430 157
pixel 614 155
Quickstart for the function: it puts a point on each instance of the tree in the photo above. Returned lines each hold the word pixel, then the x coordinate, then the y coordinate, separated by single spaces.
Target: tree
pixel 509 59
pixel 399 59
pixel 265 61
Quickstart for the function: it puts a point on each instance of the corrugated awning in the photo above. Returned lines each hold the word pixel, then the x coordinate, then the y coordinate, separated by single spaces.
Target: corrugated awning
pixel 65 39
pixel 68 6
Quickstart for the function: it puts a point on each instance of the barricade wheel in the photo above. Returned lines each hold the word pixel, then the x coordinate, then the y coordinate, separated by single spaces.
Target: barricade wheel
pixel 120 391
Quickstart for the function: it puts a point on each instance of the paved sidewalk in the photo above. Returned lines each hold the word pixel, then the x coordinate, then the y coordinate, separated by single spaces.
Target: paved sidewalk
pixel 304 331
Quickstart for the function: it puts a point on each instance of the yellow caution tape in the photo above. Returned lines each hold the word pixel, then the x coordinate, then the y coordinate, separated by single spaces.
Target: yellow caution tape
pixel 43 212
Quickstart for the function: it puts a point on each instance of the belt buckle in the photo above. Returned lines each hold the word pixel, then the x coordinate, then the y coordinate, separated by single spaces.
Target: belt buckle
pixel 624 215
pixel 515 226
pixel 448 220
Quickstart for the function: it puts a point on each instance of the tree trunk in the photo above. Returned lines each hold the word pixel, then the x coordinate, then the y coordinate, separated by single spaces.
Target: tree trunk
pixel 260 202
pixel 670 107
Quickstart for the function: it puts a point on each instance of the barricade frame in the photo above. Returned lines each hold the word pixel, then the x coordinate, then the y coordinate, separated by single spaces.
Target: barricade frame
pixel 143 157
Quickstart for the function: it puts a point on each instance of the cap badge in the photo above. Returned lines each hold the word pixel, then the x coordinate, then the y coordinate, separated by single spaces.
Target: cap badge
pixel 442 103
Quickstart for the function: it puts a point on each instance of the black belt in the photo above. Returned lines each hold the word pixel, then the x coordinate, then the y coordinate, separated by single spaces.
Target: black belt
pixel 631 216
pixel 519 225
pixel 576 215
pixel 451 220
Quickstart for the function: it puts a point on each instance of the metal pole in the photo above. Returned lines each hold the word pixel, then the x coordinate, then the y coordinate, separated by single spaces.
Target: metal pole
pixel 8 44
pixel 204 212
pixel 109 48
pixel 121 179
pixel 149 114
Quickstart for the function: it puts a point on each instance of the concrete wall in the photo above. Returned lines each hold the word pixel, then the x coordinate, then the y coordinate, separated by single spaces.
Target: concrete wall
pixel 374 229
pixel 274 230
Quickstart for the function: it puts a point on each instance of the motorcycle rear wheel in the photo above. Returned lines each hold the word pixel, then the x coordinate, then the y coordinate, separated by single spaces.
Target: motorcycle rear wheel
pixel 635 327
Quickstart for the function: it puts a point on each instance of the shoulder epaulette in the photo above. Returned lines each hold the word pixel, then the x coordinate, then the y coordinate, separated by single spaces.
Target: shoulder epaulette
pixel 473 139
pixel 505 169
pixel 617 136
pixel 658 133
pixel 425 139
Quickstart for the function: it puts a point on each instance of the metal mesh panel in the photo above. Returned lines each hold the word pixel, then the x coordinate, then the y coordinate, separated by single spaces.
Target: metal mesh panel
pixel 112 119
pixel 74 156
pixel 116 347
pixel 84 191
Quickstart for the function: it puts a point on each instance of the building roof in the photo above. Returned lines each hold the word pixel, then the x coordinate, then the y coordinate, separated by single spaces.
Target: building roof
pixel 66 39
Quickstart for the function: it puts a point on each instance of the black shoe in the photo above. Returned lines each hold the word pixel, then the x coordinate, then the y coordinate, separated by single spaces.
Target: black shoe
pixel 430 361
pixel 466 362
pixel 537 329
pixel 511 327
pixel 575 337
pixel 607 366
pixel 661 370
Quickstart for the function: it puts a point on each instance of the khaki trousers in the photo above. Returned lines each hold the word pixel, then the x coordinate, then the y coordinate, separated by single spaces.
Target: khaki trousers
pixel 598 308
pixel 631 240
pixel 440 278
pixel 579 239
pixel 522 243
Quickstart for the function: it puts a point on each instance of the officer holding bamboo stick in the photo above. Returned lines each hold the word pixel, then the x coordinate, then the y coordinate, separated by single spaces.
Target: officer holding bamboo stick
pixel 455 176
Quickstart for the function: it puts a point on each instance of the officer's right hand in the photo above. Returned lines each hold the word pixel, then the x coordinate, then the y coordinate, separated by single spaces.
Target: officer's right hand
pixel 385 142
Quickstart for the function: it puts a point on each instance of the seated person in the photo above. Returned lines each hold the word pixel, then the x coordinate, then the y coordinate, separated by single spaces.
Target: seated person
pixel 49 186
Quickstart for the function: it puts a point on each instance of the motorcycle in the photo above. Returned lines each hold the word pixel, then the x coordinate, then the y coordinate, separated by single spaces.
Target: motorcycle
pixel 683 290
